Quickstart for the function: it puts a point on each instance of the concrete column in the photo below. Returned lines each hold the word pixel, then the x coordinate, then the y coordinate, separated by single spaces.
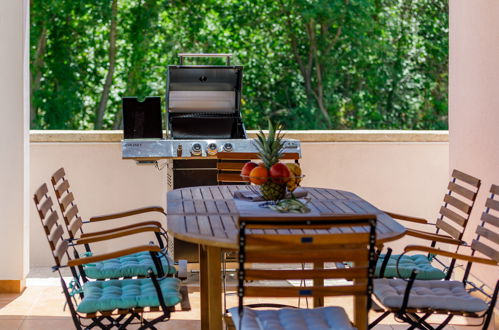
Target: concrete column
pixel 474 101
pixel 14 139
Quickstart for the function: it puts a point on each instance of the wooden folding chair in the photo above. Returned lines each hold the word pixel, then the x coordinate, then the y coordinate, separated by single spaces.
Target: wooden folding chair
pixel 415 301
pixel 310 241
pixel 135 265
pixel 111 303
pixel 229 165
pixel 449 229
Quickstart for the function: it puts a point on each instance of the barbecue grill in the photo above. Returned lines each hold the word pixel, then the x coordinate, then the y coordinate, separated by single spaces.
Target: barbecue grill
pixel 203 120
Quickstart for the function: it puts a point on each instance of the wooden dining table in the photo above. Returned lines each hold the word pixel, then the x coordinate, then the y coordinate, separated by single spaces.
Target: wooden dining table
pixel 208 216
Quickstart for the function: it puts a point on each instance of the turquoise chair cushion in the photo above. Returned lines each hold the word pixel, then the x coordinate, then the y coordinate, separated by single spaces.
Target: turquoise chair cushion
pixel 128 266
pixel 129 293
pixel 407 264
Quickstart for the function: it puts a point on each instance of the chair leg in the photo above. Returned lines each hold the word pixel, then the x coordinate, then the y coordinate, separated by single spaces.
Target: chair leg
pixel 96 322
pixel 427 315
pixel 379 319
pixel 413 321
pixel 150 324
pixel 127 322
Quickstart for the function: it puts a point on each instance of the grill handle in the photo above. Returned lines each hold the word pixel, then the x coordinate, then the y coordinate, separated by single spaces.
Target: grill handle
pixel 182 55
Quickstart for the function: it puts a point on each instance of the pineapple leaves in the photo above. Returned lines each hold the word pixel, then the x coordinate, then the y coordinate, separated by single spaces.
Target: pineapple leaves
pixel 270 146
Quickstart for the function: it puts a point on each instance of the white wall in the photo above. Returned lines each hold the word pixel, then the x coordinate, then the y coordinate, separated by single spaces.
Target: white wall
pixel 474 99
pixel 402 177
pixel 14 160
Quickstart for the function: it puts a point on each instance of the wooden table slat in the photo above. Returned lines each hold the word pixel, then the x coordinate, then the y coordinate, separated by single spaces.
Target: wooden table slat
pixel 211 207
pixel 217 226
pixel 191 224
pixel 215 192
pixel 206 193
pixel 185 194
pixel 222 206
pixel 205 226
pixel 226 192
pixel 187 207
pixel 200 207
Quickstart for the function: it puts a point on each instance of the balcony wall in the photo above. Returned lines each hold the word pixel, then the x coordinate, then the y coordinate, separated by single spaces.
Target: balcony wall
pixel 402 171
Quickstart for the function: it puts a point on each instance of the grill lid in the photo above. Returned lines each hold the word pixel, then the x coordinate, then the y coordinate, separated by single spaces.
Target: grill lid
pixel 204 101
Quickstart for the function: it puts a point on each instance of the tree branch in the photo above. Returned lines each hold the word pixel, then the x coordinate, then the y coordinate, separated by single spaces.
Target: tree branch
pixel 110 72
pixel 36 75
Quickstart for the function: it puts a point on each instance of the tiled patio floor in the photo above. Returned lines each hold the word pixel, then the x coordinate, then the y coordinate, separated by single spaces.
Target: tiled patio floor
pixel 40 307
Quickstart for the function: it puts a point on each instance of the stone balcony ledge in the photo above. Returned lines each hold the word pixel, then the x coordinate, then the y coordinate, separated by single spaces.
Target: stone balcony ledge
pixel 400 136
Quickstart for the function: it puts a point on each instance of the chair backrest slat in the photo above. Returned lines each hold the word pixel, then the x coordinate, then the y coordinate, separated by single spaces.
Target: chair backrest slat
pixel 451 215
pixel 71 213
pixel 494 189
pixel 66 201
pixel 353 254
pixel 40 193
pixel 74 226
pixel 487 233
pixel 266 274
pixel 294 241
pixel 457 203
pixel 59 174
pixel 484 249
pixel 230 177
pixel 466 178
pixel 59 251
pixel 490 219
pixel 61 188
pixel 45 207
pixel 287 291
pixel 55 236
pixel 229 164
pixel 492 203
pixel 49 222
pixel 453 232
pixel 465 192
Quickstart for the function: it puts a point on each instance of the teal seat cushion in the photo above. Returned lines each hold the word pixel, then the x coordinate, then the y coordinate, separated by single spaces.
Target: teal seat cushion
pixel 128 266
pixel 407 264
pixel 129 293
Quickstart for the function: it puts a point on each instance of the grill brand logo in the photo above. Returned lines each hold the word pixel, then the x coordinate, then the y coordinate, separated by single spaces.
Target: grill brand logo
pixel 133 145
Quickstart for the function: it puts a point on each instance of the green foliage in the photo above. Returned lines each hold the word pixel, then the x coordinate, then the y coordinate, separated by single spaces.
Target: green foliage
pixel 309 64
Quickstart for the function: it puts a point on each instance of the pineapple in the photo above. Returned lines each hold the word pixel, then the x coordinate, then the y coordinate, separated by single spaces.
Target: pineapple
pixel 270 151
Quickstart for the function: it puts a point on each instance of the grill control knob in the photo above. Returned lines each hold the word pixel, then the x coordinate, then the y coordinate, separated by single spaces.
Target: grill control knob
pixel 196 149
pixel 212 149
pixel 228 147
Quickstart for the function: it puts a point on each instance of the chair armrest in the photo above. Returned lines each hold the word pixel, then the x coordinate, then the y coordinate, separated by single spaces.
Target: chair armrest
pixel 450 254
pixel 117 229
pixel 128 213
pixel 123 233
pixel 407 218
pixel 112 255
pixel 434 237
